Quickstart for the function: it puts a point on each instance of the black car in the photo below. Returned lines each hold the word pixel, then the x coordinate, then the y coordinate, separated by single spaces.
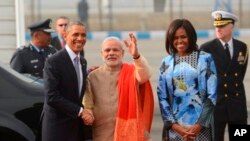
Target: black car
pixel 21 103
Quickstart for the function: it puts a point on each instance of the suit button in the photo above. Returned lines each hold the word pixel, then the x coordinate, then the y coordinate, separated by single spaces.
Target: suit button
pixel 225 75
pixel 236 74
pixel 236 85
pixel 225 85
pixel 226 95
pixel 237 94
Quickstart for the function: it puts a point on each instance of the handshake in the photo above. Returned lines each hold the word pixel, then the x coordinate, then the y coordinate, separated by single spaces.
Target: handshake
pixel 87 116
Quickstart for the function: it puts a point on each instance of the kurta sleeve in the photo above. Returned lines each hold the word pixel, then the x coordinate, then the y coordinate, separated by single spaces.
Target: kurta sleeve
pixel 142 69
pixel 88 100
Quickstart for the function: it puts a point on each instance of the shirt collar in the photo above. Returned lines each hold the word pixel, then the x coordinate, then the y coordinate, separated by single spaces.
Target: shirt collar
pixel 72 55
pixel 60 38
pixel 36 48
pixel 230 43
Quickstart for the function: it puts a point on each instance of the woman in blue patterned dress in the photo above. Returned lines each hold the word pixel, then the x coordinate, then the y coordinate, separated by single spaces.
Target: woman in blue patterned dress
pixel 187 86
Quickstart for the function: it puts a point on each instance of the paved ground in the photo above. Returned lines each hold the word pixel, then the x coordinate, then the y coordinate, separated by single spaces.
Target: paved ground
pixel 154 51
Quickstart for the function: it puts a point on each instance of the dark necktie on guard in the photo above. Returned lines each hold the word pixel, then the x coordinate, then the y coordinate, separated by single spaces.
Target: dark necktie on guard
pixel 227 51
pixel 77 68
pixel 63 43
pixel 41 52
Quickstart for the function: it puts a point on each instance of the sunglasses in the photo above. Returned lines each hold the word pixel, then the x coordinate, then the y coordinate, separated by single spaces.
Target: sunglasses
pixel 62 24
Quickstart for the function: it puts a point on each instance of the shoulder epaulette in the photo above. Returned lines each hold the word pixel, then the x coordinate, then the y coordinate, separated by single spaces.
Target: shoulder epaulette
pixel 21 48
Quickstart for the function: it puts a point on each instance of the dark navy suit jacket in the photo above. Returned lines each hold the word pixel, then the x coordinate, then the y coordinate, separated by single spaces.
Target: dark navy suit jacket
pixel 231 97
pixel 62 101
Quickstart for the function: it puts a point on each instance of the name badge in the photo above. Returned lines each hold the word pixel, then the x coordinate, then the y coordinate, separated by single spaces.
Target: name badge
pixel 34 61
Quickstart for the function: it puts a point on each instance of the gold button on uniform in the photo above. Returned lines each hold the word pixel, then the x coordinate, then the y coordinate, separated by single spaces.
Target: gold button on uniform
pixel 225 85
pixel 237 94
pixel 236 74
pixel 236 85
pixel 225 75
pixel 226 95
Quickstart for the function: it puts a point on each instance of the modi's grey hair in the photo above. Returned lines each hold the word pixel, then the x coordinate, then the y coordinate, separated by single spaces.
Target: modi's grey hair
pixel 113 38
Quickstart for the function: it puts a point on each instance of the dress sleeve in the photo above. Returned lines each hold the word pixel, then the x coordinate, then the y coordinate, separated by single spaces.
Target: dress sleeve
pixel 206 117
pixel 164 98
pixel 211 78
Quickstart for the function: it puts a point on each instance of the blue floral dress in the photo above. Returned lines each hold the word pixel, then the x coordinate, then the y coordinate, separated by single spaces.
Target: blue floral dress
pixel 187 93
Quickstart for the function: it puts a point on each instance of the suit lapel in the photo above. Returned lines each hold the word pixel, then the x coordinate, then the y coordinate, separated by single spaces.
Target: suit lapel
pixel 71 70
pixel 84 73
pixel 68 61
pixel 236 52
pixel 70 67
pixel 84 65
pixel 221 54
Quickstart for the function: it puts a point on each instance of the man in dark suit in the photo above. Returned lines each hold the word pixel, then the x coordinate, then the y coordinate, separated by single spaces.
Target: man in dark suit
pixel 231 59
pixel 30 59
pixel 58 41
pixel 64 81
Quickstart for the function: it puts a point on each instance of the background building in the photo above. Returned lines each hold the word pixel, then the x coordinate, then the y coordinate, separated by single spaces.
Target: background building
pixel 139 15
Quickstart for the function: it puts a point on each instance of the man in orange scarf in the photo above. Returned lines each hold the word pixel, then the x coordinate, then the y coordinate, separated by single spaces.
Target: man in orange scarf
pixel 120 95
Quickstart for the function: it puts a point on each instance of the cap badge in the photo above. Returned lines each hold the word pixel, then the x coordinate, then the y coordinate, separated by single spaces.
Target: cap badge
pixel 218 16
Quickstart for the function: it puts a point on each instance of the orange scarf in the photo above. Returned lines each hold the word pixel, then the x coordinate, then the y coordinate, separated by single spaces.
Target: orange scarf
pixel 135 107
